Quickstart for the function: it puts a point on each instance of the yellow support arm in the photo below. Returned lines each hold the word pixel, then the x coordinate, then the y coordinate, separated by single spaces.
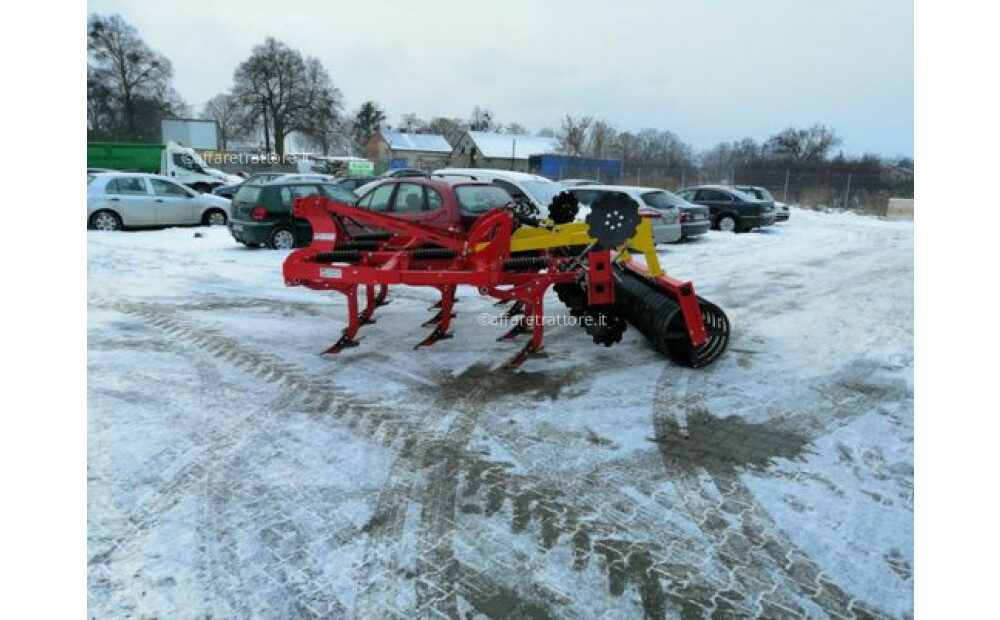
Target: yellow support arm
pixel 528 238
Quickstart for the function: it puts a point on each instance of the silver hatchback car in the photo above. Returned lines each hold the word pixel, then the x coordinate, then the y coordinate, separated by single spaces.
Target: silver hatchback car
pixel 117 200
pixel 665 215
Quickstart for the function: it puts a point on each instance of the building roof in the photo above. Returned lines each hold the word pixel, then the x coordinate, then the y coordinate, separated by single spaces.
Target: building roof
pixel 510 146
pixel 431 143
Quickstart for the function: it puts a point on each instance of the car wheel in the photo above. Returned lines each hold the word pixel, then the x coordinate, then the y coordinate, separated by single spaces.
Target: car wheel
pixel 214 217
pixel 728 223
pixel 282 239
pixel 105 220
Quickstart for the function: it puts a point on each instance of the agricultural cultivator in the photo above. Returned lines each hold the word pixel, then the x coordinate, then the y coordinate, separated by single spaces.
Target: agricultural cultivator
pixel 514 256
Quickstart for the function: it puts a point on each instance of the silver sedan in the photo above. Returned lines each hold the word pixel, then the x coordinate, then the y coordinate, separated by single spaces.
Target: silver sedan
pixel 653 203
pixel 117 200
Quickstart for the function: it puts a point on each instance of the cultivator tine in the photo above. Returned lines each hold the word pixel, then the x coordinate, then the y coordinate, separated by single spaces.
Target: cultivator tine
pixel 518 329
pixel 434 320
pixel 523 355
pixel 344 343
pixel 383 292
pixel 502 302
pixel 442 318
pixel 516 309
pixel 367 315
pixel 434 336
pixel 353 323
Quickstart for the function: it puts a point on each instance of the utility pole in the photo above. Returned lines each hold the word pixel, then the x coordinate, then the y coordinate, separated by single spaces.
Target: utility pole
pixel 513 152
pixel 847 192
pixel 784 195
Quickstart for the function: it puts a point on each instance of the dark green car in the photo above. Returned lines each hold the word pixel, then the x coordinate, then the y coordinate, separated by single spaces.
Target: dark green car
pixel 261 213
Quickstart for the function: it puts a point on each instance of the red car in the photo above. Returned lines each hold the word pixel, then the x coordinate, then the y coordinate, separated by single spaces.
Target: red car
pixel 452 204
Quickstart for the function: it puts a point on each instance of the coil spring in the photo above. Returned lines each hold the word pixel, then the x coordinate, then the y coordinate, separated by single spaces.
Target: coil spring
pixel 338 256
pixel 525 264
pixel 430 253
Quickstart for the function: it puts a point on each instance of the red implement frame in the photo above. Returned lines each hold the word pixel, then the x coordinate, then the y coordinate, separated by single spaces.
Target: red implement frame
pixel 683 292
pixel 480 258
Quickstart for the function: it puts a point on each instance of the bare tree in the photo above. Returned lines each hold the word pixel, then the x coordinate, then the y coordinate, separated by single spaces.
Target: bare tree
pixel 129 80
pixel 602 139
pixel 573 134
pixel 225 109
pixel 516 129
pixel 451 128
pixel 481 120
pixel 411 123
pixel 546 132
pixel 286 93
pixel 802 145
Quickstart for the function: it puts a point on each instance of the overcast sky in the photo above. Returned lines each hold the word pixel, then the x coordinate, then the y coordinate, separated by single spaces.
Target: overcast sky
pixel 708 70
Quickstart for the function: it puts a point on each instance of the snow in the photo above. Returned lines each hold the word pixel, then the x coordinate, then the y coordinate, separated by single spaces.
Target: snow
pixel 402 141
pixel 233 472
pixel 500 145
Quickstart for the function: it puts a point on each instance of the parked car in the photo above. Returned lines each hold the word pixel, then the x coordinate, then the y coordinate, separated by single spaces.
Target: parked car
pixel 731 210
pixel 781 210
pixel 228 191
pixel 396 173
pixel 653 203
pixel 695 219
pixel 117 200
pixel 353 183
pixel 537 190
pixel 577 182
pixel 310 176
pixel 262 212
pixel 449 203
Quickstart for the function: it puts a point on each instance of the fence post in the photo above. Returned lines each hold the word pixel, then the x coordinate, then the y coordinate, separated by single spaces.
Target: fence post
pixel 784 195
pixel 847 192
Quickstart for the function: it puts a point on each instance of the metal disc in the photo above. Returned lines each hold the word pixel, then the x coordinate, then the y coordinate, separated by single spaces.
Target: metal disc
pixel 613 219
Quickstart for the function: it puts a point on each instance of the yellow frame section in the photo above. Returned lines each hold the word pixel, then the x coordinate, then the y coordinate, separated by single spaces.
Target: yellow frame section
pixel 577 233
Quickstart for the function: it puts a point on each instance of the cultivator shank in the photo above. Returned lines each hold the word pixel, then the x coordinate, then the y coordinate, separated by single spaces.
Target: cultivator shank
pixel 590 266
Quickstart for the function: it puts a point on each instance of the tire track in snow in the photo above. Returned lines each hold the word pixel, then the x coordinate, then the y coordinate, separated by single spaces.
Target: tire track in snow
pixel 744 537
pixel 536 510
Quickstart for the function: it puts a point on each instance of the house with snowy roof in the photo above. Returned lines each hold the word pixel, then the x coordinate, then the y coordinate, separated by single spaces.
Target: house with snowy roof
pixel 408 150
pixel 484 149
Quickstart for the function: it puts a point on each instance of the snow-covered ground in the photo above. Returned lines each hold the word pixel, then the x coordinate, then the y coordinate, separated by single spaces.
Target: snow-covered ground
pixel 233 472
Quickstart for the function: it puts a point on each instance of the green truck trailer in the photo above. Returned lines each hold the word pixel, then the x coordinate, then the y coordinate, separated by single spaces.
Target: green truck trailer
pixel 171 159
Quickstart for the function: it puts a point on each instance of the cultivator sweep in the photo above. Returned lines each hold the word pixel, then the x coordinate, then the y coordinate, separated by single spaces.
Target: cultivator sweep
pixel 514 257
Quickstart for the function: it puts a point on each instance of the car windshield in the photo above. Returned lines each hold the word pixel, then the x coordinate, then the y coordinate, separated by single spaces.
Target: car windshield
pixel 340 194
pixel 663 200
pixel 479 199
pixel 543 191
pixel 247 194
